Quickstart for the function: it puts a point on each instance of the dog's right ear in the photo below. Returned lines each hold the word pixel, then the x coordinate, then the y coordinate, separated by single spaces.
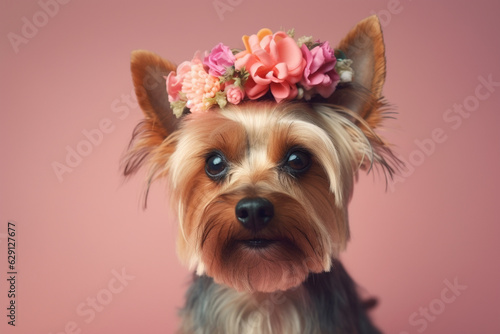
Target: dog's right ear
pixel 148 73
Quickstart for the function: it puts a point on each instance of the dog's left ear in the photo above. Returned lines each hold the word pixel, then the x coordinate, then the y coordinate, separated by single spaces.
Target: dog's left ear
pixel 364 45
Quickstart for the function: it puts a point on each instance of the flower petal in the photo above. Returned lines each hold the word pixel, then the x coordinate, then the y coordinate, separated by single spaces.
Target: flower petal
pixel 264 32
pixel 289 53
pixel 258 73
pixel 254 90
pixel 280 71
pixel 242 58
pixel 283 91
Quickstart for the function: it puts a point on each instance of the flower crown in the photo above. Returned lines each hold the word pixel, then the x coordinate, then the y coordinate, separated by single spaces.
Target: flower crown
pixel 273 65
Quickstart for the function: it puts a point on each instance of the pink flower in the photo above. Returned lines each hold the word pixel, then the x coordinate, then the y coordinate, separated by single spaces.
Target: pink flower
pixel 274 63
pixel 319 73
pixel 234 94
pixel 218 60
pixel 199 87
pixel 175 79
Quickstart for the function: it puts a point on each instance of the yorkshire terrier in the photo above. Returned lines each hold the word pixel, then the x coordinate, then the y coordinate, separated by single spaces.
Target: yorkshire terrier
pixel 260 149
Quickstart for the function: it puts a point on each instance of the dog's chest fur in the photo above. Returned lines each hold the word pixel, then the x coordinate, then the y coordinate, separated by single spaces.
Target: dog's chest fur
pixel 325 303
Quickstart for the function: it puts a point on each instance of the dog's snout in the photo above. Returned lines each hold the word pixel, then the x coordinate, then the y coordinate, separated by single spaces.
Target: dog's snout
pixel 254 213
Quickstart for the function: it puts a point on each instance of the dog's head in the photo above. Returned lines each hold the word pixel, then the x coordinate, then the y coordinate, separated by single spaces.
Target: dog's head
pixel 261 188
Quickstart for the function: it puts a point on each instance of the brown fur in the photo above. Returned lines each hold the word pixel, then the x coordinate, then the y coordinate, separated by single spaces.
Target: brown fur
pixel 310 223
pixel 364 44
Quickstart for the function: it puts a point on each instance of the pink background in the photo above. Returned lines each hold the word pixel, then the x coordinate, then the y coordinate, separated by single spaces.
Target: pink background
pixel 438 222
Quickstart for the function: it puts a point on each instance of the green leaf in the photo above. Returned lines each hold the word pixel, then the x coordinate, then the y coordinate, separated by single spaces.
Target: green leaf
pixel 178 107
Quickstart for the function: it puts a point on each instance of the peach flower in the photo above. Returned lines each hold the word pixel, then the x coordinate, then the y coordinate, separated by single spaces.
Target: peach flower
pixel 199 87
pixel 234 94
pixel 274 62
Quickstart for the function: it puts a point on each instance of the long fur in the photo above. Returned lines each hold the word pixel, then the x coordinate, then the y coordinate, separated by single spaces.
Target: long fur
pixel 325 303
pixel 295 284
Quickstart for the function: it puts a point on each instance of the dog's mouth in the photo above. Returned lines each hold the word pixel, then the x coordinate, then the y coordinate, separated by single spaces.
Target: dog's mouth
pixel 257 243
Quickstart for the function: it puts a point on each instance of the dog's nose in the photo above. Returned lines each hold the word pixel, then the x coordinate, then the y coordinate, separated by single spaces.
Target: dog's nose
pixel 254 213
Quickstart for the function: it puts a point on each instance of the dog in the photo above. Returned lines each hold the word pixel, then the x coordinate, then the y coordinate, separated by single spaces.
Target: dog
pixel 260 149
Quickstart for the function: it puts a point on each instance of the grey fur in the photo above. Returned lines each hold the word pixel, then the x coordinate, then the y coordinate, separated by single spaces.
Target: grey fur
pixel 325 303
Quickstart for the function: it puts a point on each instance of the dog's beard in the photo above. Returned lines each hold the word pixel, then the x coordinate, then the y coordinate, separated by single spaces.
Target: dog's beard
pixel 309 226
pixel 279 257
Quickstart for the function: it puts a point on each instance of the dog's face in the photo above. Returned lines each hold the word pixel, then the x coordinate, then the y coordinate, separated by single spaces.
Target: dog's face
pixel 261 192
pixel 261 189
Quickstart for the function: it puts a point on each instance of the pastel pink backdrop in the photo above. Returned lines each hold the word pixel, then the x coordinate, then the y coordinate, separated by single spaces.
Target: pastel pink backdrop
pixel 439 221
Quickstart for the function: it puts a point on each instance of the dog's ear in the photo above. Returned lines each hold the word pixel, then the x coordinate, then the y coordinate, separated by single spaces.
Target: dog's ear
pixel 148 73
pixel 364 45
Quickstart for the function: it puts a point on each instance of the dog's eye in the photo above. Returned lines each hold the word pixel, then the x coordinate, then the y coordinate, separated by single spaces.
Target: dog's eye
pixel 297 161
pixel 216 166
